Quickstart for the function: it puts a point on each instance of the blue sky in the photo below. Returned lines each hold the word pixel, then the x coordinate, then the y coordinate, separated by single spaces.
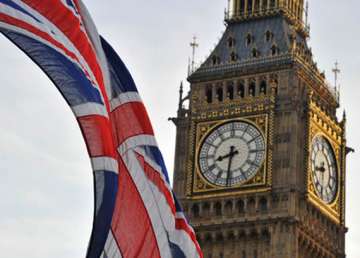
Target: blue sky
pixel 46 190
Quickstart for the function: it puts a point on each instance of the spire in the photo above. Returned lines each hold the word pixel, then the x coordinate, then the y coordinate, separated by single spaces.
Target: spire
pixel 193 45
pixel 181 91
pixel 336 72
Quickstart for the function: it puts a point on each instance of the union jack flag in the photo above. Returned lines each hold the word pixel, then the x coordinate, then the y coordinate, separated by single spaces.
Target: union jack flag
pixel 136 212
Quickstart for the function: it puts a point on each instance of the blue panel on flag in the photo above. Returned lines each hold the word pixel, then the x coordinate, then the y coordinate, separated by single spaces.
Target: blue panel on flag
pixel 66 75
pixel 19 8
pixel 106 184
pixel 176 251
pixel 155 154
pixel 121 79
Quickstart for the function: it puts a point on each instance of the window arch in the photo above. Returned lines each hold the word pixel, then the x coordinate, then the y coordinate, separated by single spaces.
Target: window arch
pixel 240 206
pixel 218 209
pixel 241 90
pixel 265 235
pixel 242 6
pixel 231 42
pixel 265 4
pixel 230 91
pixel 215 60
pixel 234 57
pixel 272 4
pixel 255 53
pixel 263 87
pixel 209 94
pixel 257 6
pixel 252 88
pixel 195 210
pixel 243 254
pixel 219 94
pixel 206 209
pixel 263 204
pixel 274 50
pixel 268 36
pixel 228 207
pixel 249 7
pixel 231 236
pixel 251 204
pixel 248 39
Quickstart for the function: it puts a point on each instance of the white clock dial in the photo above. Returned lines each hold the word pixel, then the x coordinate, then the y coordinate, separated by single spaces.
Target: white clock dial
pixel 324 169
pixel 232 154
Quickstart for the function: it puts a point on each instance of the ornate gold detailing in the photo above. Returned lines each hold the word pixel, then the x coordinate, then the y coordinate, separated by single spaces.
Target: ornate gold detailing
pixel 199 186
pixel 321 124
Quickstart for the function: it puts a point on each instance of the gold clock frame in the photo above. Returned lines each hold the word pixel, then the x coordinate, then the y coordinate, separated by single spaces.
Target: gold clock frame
pixel 320 124
pixel 259 183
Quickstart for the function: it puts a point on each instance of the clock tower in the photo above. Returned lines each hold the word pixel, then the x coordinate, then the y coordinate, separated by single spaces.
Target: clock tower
pixel 260 153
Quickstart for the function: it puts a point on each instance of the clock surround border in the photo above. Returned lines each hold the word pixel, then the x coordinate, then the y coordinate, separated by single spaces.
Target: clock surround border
pixel 319 123
pixel 194 174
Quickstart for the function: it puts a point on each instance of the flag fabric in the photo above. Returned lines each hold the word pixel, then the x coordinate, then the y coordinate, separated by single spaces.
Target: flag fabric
pixel 136 213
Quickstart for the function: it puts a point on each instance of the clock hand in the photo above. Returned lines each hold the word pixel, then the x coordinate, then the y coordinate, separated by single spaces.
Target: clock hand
pixel 219 175
pixel 231 155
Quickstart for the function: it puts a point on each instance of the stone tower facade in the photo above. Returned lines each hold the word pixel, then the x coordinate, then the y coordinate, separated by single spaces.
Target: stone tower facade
pixel 260 153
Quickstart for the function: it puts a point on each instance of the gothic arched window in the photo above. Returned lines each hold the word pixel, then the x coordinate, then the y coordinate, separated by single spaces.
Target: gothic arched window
pixel 274 50
pixel 243 254
pixel 249 7
pixel 228 207
pixel 209 94
pixel 230 91
pixel 206 209
pixel 240 206
pixel 195 211
pixel 257 6
pixel 272 4
pixel 251 204
pixel 248 39
pixel 234 57
pixel 242 6
pixel 263 204
pixel 252 88
pixel 268 36
pixel 263 87
pixel 219 94
pixel 254 52
pixel 241 90
pixel 265 235
pixel 231 42
pixel 218 209
pixel 215 60
pixel 265 4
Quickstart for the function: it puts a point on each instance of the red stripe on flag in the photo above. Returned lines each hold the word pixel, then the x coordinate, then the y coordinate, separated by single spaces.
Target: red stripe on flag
pixel 154 176
pixel 28 27
pixel 129 120
pixel 131 224
pixel 65 20
pixel 182 224
pixel 97 133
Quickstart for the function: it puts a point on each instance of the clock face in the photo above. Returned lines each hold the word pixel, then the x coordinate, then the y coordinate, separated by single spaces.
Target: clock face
pixel 324 169
pixel 232 154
